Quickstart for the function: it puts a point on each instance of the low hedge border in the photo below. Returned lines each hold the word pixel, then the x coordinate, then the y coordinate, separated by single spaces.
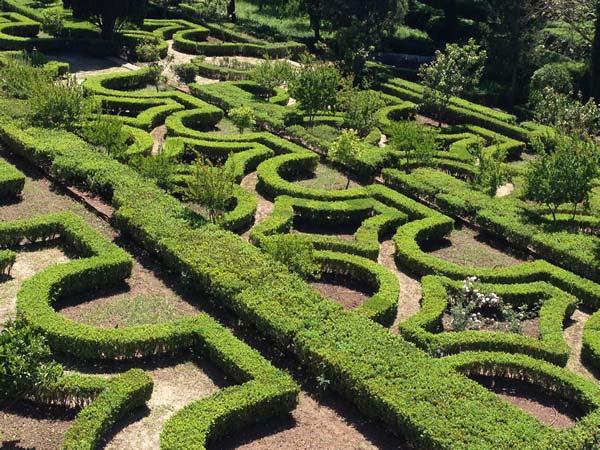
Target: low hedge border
pixel 424 328
pixel 375 220
pixel 144 113
pixel 19 33
pixel 12 181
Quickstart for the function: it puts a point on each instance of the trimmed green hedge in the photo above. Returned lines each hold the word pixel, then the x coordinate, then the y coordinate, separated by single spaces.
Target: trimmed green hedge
pixel 386 377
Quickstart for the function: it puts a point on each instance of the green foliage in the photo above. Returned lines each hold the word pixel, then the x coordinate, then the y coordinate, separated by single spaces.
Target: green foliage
pixel 147 50
pixel 417 142
pixel 297 253
pixel 59 104
pixel 360 108
pixel 346 149
pixel 271 74
pixel 450 74
pixel 53 22
pixel 20 78
pixel 158 168
pixel 25 361
pixel 567 114
pixel 315 87
pixel 212 186
pixel 106 133
pixel 108 15
pixel 565 175
pixel 186 72
pixel 242 117
pixel 491 171
pixel 554 76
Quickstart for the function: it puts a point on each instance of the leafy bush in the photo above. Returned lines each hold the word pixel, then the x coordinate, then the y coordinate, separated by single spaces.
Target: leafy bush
pixel 186 72
pixel 60 104
pixel 297 253
pixel 315 87
pixel 360 108
pixel 212 186
pixel 491 172
pixel 147 50
pixel 53 22
pixel 159 168
pixel 242 117
pixel 20 78
pixel 25 361
pixel 418 143
pixel 106 132
pixel 346 149
pixel 271 74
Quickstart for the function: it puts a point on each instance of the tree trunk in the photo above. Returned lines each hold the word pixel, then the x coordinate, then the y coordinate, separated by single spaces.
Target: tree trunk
pixel 108 27
pixel 451 19
pixel 315 23
pixel 231 11
pixel 595 62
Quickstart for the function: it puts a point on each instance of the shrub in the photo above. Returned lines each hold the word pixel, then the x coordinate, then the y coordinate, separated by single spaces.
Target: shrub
pixel 297 253
pixel 491 172
pixel 418 143
pixel 106 132
pixel 61 104
pixel 185 72
pixel 563 176
pixel 242 117
pixel 315 88
pixel 271 74
pixel 159 168
pixel 360 109
pixel 147 50
pixel 19 78
pixel 25 361
pixel 53 22
pixel 212 186
pixel 346 149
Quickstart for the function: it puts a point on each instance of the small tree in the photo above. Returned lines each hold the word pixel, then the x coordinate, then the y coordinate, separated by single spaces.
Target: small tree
pixel 53 22
pixel 568 114
pixel 107 133
pixel 295 252
pixel 25 363
pixel 564 175
pixel 417 142
pixel 346 150
pixel 159 168
pixel 271 74
pixel 450 74
pixel 491 172
pixel 315 88
pixel 360 107
pixel 108 15
pixel 212 186
pixel 242 117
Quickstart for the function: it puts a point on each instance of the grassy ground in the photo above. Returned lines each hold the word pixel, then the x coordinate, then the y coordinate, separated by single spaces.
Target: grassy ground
pixel 327 178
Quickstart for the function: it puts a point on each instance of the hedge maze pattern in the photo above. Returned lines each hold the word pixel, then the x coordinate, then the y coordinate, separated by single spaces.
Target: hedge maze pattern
pixel 415 381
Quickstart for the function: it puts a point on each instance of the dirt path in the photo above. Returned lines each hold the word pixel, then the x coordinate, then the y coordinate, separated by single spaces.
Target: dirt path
pixel 383 141
pixel 265 207
pixel 410 288
pixel 29 262
pixel 312 425
pixel 174 388
pixel 505 190
pixel 574 336
pixel 159 134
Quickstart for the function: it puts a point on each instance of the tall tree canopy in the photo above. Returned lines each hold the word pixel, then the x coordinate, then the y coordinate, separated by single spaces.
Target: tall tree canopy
pixel 108 15
pixel 583 19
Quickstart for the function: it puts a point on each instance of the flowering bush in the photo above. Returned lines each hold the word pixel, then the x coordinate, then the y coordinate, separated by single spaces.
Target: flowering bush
pixel 472 309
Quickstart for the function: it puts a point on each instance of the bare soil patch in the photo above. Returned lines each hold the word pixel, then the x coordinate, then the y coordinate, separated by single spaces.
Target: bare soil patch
pixel 529 328
pixel 312 425
pixel 549 410
pixel 409 301
pixel 31 259
pixel 176 384
pixel 574 336
pixel 265 207
pixel 26 425
pixel 470 248
pixel 159 134
pixel 344 291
